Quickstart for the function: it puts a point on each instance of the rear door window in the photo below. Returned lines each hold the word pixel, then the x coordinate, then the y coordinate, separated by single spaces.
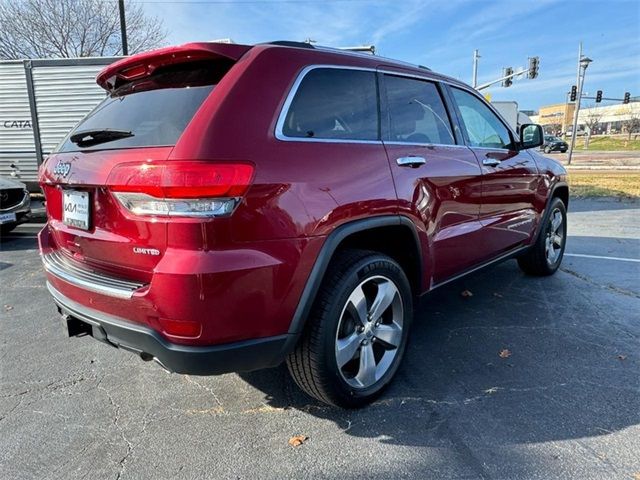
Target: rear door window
pixel 334 104
pixel 150 112
pixel 416 112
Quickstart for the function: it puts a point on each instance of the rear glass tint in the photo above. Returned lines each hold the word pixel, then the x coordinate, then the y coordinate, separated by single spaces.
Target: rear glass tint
pixel 416 112
pixel 154 110
pixel 334 104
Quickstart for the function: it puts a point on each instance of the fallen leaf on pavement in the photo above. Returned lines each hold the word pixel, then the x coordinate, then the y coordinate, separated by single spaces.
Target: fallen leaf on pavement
pixel 297 440
pixel 504 353
pixel 466 294
pixel 622 357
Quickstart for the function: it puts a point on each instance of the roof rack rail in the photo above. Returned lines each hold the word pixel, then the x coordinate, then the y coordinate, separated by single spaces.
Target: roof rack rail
pixel 289 43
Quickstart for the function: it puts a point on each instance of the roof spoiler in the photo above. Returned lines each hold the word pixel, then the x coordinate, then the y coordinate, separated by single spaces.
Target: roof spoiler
pixel 143 64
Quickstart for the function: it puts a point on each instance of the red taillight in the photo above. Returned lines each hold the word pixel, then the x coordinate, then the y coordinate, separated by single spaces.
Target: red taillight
pixel 180 188
pixel 180 179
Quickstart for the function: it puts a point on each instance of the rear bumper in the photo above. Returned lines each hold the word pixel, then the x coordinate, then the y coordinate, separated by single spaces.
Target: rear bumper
pixel 150 345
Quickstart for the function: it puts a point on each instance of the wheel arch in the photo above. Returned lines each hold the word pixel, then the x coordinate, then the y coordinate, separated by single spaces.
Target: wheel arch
pixel 374 233
pixel 558 190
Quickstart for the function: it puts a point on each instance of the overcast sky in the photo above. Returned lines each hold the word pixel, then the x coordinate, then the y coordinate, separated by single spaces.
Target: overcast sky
pixel 442 34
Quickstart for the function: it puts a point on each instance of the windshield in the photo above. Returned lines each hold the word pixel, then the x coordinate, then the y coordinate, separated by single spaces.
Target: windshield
pixel 153 111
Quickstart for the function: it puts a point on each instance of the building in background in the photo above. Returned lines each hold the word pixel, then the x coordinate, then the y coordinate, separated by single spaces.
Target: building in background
pixel 557 119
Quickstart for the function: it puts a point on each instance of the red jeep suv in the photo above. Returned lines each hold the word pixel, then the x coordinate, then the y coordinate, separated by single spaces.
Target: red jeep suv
pixel 229 207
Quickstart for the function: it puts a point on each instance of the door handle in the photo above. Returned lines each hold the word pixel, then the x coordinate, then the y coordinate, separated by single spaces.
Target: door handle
pixel 413 162
pixel 490 162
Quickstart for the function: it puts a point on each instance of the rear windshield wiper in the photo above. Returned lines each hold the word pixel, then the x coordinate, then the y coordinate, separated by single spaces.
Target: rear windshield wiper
pixel 87 138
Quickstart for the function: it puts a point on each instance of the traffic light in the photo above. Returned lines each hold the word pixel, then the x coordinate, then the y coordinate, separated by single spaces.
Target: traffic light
pixel 574 93
pixel 627 97
pixel 598 96
pixel 534 66
pixel 507 82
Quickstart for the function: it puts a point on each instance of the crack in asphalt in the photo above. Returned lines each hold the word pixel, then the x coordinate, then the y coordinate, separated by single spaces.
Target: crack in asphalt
pixel 116 418
pixel 613 288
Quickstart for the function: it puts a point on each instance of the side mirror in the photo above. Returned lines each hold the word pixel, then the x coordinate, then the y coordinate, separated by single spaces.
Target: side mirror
pixel 531 136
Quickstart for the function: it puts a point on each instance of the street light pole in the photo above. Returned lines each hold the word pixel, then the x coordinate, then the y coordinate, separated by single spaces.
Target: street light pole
pixel 476 56
pixel 584 63
pixel 123 28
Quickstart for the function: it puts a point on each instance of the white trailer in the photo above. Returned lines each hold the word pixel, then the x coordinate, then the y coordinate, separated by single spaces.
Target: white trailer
pixel 40 102
pixel 509 111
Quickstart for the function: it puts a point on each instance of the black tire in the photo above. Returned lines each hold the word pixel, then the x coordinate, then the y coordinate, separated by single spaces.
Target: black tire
pixel 7 227
pixel 536 261
pixel 313 364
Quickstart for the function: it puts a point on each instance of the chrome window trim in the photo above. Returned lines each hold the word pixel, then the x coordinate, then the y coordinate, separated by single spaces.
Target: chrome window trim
pixel 493 149
pixel 279 134
pixel 418 144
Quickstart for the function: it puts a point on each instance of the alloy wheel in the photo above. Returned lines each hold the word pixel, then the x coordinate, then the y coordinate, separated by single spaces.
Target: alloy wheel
pixel 555 237
pixel 369 332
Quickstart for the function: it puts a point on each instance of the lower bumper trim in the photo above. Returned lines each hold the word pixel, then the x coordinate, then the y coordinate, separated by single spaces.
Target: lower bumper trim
pixel 150 345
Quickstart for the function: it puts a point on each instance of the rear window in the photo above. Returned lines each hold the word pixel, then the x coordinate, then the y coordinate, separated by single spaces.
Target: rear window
pixel 416 112
pixel 155 111
pixel 334 104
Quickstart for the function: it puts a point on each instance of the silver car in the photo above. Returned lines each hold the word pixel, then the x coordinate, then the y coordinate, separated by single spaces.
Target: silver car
pixel 15 204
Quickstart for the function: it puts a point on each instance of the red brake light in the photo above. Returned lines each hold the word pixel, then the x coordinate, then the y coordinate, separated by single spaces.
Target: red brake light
pixel 182 179
pixel 134 72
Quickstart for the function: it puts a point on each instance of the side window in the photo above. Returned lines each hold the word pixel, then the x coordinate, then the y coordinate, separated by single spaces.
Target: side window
pixel 483 127
pixel 416 112
pixel 334 104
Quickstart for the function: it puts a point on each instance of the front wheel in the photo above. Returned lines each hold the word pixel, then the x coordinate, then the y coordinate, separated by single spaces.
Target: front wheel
pixel 545 256
pixel 7 228
pixel 357 332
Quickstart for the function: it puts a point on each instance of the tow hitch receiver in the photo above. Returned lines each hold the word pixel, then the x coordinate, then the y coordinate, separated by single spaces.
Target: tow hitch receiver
pixel 77 328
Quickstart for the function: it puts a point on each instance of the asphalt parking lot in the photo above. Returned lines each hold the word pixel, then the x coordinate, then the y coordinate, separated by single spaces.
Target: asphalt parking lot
pixel 563 402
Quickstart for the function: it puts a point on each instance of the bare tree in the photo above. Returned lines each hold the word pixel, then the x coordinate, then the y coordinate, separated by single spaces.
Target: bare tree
pixel 552 128
pixel 73 28
pixel 591 121
pixel 632 124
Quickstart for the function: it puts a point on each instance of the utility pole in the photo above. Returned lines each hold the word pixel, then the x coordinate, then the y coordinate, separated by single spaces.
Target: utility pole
pixel 582 66
pixel 579 59
pixel 123 28
pixel 476 57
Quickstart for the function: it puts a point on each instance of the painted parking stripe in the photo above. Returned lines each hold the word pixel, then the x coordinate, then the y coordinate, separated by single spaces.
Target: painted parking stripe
pixel 600 257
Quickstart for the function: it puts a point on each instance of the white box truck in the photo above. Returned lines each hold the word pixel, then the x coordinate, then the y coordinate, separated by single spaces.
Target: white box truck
pixel 509 111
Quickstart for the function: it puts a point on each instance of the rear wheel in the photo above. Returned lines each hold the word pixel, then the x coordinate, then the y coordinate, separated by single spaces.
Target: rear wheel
pixel 357 332
pixel 546 254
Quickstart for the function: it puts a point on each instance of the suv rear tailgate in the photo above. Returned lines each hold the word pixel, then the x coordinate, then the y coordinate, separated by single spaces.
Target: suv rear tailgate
pixel 114 236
